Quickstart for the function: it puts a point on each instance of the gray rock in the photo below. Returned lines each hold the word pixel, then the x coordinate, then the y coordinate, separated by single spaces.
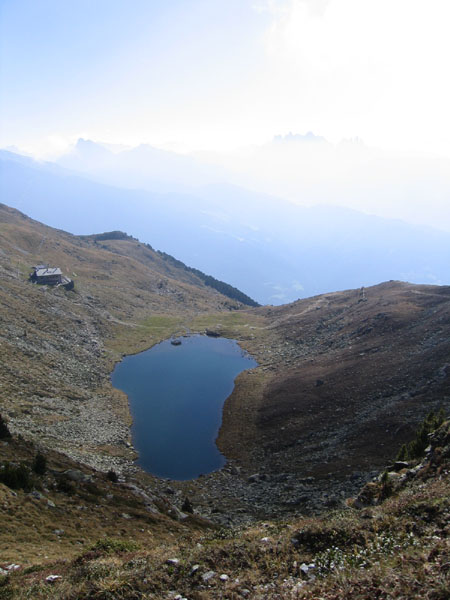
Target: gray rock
pixel 174 562
pixel 208 576
pixel 176 513
pixel 400 464
pixel 76 475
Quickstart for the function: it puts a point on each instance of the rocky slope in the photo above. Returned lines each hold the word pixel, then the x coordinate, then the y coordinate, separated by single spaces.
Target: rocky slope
pixel 343 380
pixel 391 543
pixel 58 347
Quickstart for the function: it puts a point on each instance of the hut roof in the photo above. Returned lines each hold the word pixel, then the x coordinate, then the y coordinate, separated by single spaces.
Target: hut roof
pixel 47 271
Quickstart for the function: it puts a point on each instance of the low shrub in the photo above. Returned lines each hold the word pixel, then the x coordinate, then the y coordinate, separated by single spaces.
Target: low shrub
pixel 318 535
pixel 66 486
pixel 39 465
pixel 112 476
pixel 387 486
pixel 4 431
pixel 416 447
pixel 16 477
pixel 113 546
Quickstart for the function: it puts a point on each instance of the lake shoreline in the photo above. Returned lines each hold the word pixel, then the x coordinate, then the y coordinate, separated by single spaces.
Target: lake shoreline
pixel 200 370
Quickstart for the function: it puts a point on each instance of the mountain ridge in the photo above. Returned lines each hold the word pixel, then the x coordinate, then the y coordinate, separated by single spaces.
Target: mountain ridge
pixel 272 250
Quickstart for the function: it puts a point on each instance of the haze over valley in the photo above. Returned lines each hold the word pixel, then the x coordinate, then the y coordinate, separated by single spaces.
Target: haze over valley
pixel 272 249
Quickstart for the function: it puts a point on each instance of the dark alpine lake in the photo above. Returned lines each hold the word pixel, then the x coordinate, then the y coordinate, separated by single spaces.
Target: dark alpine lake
pixel 176 395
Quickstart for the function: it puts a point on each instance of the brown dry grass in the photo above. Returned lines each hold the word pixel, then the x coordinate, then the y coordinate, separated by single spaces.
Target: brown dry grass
pixel 85 513
pixel 400 552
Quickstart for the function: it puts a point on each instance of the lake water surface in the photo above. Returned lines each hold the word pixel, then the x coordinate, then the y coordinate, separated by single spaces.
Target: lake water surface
pixel 176 396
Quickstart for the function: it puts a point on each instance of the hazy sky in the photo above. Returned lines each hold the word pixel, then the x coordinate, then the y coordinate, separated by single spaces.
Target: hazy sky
pixel 217 74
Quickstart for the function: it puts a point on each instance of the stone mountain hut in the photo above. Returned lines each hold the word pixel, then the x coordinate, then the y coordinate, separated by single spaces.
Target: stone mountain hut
pixel 46 275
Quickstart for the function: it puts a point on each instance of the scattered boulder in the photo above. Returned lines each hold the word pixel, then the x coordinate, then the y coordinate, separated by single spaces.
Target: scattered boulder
pixel 208 576
pixel 77 475
pixel 400 464
pixel 12 567
pixel 173 562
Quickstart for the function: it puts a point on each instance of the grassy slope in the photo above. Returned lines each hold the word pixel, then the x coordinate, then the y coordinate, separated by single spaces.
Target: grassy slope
pixel 58 347
pixel 52 338
pixel 395 548
pixel 358 375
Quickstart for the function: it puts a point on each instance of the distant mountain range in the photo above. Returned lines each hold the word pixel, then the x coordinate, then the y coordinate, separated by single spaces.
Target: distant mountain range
pixel 142 167
pixel 270 249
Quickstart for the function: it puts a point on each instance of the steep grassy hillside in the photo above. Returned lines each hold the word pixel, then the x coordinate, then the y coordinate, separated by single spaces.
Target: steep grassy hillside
pixel 58 347
pixel 391 542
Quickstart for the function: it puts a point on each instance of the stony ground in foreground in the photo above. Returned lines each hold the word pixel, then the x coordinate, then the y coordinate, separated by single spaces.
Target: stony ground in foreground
pixel 391 542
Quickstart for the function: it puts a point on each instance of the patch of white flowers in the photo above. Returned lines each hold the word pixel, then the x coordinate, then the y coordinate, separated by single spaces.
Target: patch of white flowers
pixel 384 544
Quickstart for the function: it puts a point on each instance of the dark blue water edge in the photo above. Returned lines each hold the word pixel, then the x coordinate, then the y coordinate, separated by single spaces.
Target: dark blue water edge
pixel 176 396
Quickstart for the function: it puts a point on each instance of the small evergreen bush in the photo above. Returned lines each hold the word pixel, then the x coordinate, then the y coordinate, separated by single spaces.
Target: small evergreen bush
pixel 386 486
pixel 4 431
pixel 112 476
pixel 114 546
pixel 16 477
pixel 416 448
pixel 39 465
pixel 66 486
